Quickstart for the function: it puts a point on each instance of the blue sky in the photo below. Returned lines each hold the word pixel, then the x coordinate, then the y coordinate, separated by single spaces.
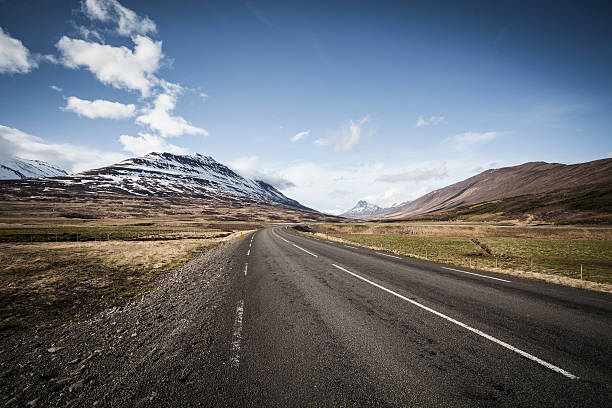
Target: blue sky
pixel 330 101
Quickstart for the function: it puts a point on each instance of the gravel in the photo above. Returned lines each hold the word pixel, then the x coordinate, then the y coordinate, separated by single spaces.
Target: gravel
pixel 169 348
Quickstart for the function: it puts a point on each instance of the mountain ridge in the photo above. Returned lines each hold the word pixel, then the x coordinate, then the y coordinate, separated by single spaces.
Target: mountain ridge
pixel 546 183
pixel 161 175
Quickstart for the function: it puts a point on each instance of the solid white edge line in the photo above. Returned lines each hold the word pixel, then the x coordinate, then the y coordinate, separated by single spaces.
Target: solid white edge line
pixel 390 256
pixel 237 335
pixel 465 326
pixel 477 274
pixel 308 252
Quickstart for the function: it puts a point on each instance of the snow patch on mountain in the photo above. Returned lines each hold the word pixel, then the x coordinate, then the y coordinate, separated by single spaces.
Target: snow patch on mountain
pixel 16 168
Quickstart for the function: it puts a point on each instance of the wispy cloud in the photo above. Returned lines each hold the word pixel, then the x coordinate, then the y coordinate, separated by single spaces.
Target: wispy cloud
pixel 146 143
pixel 14 142
pixel 347 137
pixel 433 120
pixel 470 138
pixel 56 88
pixel 415 175
pixel 300 135
pixel 15 58
pixel 159 116
pixel 249 167
pixel 126 21
pixel 99 108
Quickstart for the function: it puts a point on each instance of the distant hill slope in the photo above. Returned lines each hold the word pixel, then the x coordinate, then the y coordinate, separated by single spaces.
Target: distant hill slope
pixel 549 190
pixel 16 168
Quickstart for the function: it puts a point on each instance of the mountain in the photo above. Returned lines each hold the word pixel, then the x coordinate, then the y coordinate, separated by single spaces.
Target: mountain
pixel 549 190
pixel 363 209
pixel 159 175
pixel 16 168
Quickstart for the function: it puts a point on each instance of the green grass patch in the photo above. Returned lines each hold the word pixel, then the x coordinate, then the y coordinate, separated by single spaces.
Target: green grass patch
pixel 556 257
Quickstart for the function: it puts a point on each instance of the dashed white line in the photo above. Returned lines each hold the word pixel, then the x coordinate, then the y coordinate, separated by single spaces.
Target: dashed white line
pixel 250 244
pixel 465 326
pixel 477 274
pixel 248 252
pixel 308 252
pixel 246 267
pixel 237 336
pixel 390 256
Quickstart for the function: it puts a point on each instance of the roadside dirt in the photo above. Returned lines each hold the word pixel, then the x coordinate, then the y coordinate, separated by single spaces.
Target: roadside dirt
pixel 168 348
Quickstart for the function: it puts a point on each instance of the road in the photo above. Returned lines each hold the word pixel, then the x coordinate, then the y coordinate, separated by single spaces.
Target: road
pixel 320 323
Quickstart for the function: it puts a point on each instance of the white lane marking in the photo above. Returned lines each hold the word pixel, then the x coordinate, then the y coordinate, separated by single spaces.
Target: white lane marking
pixel 248 252
pixel 246 266
pixel 390 256
pixel 308 252
pixel 237 335
pixel 249 244
pixel 477 274
pixel 283 239
pixel 465 326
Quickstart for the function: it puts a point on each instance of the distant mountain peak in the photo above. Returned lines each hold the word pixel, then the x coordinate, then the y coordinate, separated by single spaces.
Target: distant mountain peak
pixel 363 209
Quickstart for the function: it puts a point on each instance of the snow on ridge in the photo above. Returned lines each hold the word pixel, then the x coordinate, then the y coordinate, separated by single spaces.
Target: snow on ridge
pixel 18 168
pixel 187 175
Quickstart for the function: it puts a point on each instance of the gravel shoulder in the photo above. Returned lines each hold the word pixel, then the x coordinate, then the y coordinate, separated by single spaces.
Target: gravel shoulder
pixel 169 347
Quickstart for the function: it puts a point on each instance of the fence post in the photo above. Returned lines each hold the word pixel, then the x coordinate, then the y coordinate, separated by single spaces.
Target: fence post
pixel 580 271
pixel 470 262
pixel 495 262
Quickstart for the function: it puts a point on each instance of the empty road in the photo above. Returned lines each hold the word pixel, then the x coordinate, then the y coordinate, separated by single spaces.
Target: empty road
pixel 320 323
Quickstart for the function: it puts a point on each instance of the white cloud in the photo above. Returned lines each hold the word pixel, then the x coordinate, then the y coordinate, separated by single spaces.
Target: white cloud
pixel 70 157
pixel 146 143
pixel 160 119
pixel 415 175
pixel 127 21
pixel 203 95
pixel 14 56
pixel 468 138
pixel 99 108
pixel 117 66
pixel 89 33
pixel 345 139
pixel 55 88
pixel 433 120
pixel 300 136
pixel 249 167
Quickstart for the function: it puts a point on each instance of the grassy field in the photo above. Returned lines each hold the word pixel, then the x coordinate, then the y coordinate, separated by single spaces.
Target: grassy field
pixel 44 282
pixel 558 251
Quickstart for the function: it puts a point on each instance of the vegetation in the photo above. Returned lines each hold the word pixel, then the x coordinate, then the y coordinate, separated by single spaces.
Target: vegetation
pixel 559 251
pixel 44 282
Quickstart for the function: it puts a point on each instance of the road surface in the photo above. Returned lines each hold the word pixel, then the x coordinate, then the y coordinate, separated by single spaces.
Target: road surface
pixel 321 323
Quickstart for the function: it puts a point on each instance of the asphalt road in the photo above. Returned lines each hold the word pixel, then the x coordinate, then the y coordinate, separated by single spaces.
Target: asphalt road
pixel 317 323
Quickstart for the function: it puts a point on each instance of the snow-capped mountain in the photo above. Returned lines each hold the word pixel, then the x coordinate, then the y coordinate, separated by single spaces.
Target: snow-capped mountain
pixel 16 168
pixel 164 175
pixel 362 210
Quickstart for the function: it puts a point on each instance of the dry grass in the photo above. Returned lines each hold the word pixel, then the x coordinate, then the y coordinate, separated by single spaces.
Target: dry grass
pixel 549 253
pixel 471 230
pixel 47 283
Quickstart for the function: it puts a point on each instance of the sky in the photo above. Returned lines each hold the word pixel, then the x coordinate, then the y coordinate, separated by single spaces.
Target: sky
pixel 331 102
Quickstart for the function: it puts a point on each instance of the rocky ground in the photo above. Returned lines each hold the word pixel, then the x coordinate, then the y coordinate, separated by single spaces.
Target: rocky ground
pixel 168 348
